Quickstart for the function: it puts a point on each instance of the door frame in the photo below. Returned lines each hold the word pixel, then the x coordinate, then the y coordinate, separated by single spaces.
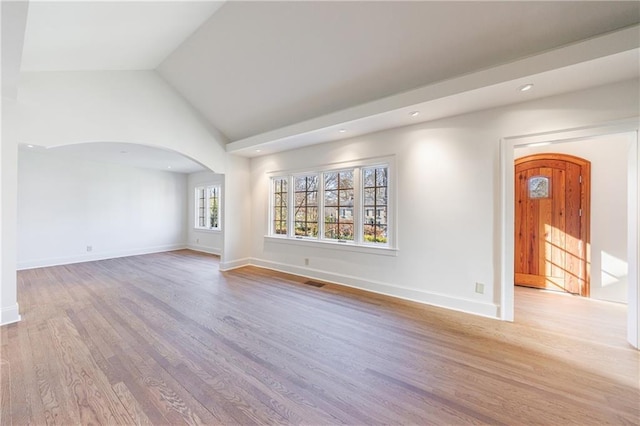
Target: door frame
pixel 585 199
pixel 507 211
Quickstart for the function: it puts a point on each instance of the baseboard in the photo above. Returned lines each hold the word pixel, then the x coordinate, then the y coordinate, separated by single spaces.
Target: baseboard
pixel 9 315
pixel 90 257
pixel 234 264
pixel 430 298
pixel 204 249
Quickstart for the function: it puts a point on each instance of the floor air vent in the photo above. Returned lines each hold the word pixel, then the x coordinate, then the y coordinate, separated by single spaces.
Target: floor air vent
pixel 314 283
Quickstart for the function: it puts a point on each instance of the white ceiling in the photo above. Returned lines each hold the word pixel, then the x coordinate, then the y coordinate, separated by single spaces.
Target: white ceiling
pixel 276 75
pixel 108 35
pixel 257 66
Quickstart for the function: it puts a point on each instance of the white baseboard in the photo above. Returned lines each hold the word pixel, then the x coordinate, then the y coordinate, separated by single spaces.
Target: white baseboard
pixel 90 257
pixel 234 264
pixel 204 249
pixel 430 298
pixel 9 315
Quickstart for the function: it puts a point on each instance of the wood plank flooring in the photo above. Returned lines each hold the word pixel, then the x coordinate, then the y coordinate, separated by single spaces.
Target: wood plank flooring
pixel 167 339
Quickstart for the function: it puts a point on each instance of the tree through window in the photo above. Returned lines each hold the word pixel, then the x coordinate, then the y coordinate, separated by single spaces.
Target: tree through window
pixel 375 186
pixel 342 205
pixel 306 205
pixel 338 205
pixel 207 207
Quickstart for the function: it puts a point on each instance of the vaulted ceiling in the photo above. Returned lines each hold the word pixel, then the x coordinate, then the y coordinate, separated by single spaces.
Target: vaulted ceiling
pixel 257 66
pixel 276 74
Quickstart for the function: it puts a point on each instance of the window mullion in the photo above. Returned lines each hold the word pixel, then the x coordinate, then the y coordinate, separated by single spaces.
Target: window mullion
pixel 291 208
pixel 208 207
pixel 321 217
pixel 358 195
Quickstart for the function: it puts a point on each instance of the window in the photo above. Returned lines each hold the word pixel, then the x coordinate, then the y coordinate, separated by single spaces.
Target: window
pixel 346 205
pixel 306 205
pixel 338 205
pixel 539 187
pixel 375 204
pixel 208 207
pixel 280 199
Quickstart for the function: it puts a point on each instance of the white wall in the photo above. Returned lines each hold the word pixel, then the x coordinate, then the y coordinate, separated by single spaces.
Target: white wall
pixel 448 199
pixel 65 205
pixel 60 108
pixel 609 157
pixel 237 207
pixel 208 241
pixel 9 310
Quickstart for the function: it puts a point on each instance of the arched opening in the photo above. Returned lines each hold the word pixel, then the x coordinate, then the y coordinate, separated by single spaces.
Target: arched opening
pixel 98 200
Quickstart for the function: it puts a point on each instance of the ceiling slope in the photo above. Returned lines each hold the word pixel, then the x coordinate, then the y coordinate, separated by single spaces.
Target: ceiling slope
pixel 254 67
pixel 108 35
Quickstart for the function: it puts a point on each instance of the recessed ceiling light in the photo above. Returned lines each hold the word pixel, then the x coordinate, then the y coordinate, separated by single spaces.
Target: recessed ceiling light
pixel 526 87
pixel 29 146
pixel 168 167
pixel 258 150
pixel 342 130
pixel 414 113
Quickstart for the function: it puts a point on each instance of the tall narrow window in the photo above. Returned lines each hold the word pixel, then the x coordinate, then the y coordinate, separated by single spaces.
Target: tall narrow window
pixel 375 206
pixel 280 211
pixel 201 210
pixel 338 205
pixel 306 206
pixel 214 207
pixel 207 207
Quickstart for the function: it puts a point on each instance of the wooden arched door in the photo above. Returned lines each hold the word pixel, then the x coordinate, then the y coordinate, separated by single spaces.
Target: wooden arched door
pixel 552 199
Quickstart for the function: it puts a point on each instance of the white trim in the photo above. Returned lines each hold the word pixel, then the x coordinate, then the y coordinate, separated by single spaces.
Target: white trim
pixel 235 264
pixel 633 247
pixel 196 219
pixel 507 146
pixel 430 298
pixel 208 230
pixel 334 245
pixel 205 249
pixel 9 315
pixel 90 257
pixel 387 160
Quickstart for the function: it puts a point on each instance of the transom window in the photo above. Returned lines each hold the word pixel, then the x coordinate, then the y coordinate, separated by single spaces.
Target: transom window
pixel 207 207
pixel 348 205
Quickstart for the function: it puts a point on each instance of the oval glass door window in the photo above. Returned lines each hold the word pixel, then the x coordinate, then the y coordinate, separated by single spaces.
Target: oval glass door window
pixel 539 187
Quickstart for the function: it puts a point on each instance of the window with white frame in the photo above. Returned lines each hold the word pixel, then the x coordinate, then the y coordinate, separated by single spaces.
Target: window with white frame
pixel 348 205
pixel 375 187
pixel 280 203
pixel 305 205
pixel 338 205
pixel 207 207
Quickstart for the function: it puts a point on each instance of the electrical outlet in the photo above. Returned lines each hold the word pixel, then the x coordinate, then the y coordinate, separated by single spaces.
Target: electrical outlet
pixel 89 248
pixel 306 261
pixel 480 288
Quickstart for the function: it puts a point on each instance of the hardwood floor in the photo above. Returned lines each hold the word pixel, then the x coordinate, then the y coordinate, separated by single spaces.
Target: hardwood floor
pixel 167 339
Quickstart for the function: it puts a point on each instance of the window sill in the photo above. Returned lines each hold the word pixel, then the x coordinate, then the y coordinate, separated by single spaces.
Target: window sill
pixel 334 245
pixel 213 231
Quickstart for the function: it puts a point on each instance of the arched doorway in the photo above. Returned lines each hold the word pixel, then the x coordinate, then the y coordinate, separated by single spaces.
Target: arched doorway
pixel 552 220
